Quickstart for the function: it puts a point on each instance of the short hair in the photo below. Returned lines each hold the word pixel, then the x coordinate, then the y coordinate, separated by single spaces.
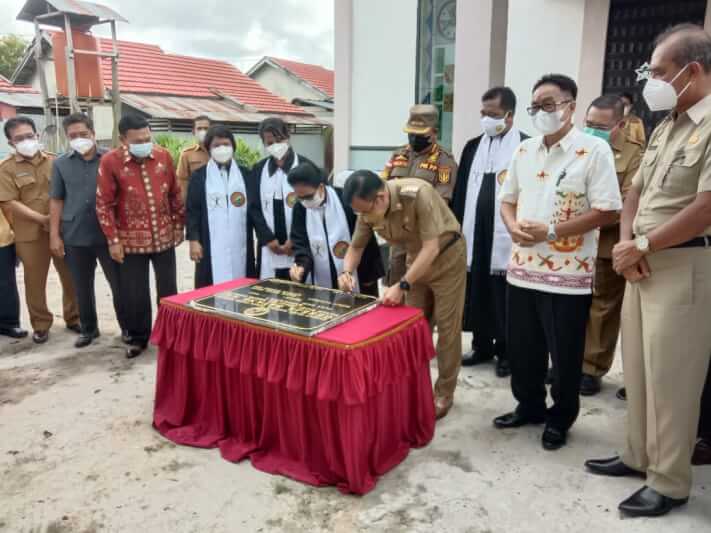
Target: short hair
pixel 612 102
pixel 203 118
pixel 78 118
pixel 219 132
pixel 306 173
pixel 628 95
pixel 363 184
pixel 694 45
pixel 275 126
pixel 506 97
pixel 14 122
pixel 132 122
pixel 563 82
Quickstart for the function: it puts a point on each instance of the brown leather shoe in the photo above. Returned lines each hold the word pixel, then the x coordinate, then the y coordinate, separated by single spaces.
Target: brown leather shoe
pixel 442 406
pixel 702 453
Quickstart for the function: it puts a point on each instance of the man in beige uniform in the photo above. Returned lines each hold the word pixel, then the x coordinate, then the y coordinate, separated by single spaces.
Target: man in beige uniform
pixel 605 118
pixel 193 157
pixel 409 213
pixel 665 255
pixel 421 158
pixel 24 194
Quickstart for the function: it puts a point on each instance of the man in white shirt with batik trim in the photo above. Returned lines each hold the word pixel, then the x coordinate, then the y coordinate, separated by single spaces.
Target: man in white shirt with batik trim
pixel 560 188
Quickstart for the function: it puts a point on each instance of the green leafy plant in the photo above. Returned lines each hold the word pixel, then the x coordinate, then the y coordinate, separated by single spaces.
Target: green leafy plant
pixel 12 48
pixel 245 154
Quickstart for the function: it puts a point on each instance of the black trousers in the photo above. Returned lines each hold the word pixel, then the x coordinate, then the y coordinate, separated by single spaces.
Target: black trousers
pixel 705 418
pixel 136 289
pixel 9 298
pixel 81 261
pixel 539 323
pixel 487 308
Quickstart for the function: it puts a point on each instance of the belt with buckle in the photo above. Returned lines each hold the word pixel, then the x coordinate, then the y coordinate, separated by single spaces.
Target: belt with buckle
pixel 698 242
pixel 446 247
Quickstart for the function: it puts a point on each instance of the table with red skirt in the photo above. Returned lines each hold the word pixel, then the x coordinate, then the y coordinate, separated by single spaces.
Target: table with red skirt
pixel 340 408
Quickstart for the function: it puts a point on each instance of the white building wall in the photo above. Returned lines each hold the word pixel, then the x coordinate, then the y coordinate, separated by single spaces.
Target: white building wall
pixel 284 85
pixel 544 36
pixel 384 56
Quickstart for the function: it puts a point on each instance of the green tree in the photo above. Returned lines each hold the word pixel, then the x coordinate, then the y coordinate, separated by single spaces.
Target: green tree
pixel 245 154
pixel 12 48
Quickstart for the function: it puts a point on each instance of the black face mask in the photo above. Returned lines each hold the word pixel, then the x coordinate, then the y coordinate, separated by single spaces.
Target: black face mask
pixel 419 143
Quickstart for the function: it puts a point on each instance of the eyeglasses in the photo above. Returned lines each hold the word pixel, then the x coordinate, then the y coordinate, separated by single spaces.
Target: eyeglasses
pixel 548 107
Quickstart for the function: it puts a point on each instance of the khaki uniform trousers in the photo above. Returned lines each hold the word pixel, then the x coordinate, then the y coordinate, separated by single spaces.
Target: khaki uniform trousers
pixel 35 257
pixel 666 342
pixel 440 294
pixel 603 327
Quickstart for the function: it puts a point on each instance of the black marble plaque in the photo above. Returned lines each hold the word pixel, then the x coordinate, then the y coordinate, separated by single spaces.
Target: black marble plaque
pixel 294 307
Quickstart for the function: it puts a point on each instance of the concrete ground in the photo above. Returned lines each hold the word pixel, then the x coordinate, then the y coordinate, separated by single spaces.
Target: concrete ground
pixel 78 454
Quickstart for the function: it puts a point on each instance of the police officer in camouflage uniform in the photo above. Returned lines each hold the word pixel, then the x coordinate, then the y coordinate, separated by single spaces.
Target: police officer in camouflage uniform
pixel 421 158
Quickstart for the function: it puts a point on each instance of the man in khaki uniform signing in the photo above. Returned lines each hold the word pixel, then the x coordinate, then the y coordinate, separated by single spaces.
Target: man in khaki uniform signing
pixel 193 157
pixel 665 255
pixel 605 119
pixel 24 195
pixel 421 158
pixel 409 213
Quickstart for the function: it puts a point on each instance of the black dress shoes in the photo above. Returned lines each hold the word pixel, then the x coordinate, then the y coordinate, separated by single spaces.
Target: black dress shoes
pixel 590 385
pixel 648 502
pixel 476 357
pixel 515 420
pixel 613 467
pixel 40 337
pixel 702 453
pixel 85 339
pixel 553 438
pixel 621 394
pixel 13 333
pixel 503 368
pixel 135 350
pixel 76 328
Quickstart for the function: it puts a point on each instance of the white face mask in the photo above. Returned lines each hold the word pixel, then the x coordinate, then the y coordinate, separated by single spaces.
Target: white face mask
pixel 660 95
pixel 81 145
pixel 141 150
pixel 548 123
pixel 278 150
pixel 28 148
pixel 315 202
pixel 493 126
pixel 222 154
pixel 200 135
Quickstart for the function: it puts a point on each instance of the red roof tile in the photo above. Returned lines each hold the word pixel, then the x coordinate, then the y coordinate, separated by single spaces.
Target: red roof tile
pixel 7 87
pixel 146 69
pixel 320 77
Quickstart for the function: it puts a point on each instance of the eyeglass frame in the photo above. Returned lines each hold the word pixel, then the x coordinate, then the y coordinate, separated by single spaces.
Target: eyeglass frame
pixel 552 106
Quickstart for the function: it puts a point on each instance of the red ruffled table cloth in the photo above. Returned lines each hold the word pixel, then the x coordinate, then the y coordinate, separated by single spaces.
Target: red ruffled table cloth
pixel 340 408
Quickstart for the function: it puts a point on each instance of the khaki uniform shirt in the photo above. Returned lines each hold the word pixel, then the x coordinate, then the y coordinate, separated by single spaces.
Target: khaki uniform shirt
pixel 7 237
pixel 416 214
pixel 27 181
pixel 675 168
pixel 628 156
pixel 191 159
pixel 436 166
pixel 634 129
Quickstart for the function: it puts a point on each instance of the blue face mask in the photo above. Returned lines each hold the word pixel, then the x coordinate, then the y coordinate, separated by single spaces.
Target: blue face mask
pixel 605 135
pixel 142 150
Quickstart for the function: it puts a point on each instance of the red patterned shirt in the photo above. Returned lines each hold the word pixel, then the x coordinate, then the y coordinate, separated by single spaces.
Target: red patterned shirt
pixel 139 203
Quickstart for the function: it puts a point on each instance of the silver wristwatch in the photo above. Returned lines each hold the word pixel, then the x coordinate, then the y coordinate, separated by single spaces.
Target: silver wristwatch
pixel 642 244
pixel 552 236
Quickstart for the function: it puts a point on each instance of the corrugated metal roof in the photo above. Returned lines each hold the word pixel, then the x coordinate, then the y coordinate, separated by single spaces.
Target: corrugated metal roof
pixel 21 99
pixel 187 108
pixel 80 11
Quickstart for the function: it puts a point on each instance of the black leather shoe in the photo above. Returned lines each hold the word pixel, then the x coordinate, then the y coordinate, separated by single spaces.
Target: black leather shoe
pixel 134 350
pixel 702 453
pixel 590 385
pixel 648 502
pixel 476 357
pixel 621 394
pixel 515 420
pixel 13 333
pixel 613 467
pixel 503 368
pixel 40 337
pixel 553 438
pixel 85 339
pixel 76 328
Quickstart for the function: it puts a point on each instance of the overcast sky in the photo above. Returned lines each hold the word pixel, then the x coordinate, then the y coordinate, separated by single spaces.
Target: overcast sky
pixel 239 31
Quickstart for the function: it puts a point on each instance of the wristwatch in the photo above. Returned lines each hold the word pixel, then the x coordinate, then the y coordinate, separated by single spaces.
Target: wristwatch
pixel 642 244
pixel 552 236
pixel 404 285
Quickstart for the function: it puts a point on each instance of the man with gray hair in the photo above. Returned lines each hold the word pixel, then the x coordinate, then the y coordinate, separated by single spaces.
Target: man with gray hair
pixel 665 254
